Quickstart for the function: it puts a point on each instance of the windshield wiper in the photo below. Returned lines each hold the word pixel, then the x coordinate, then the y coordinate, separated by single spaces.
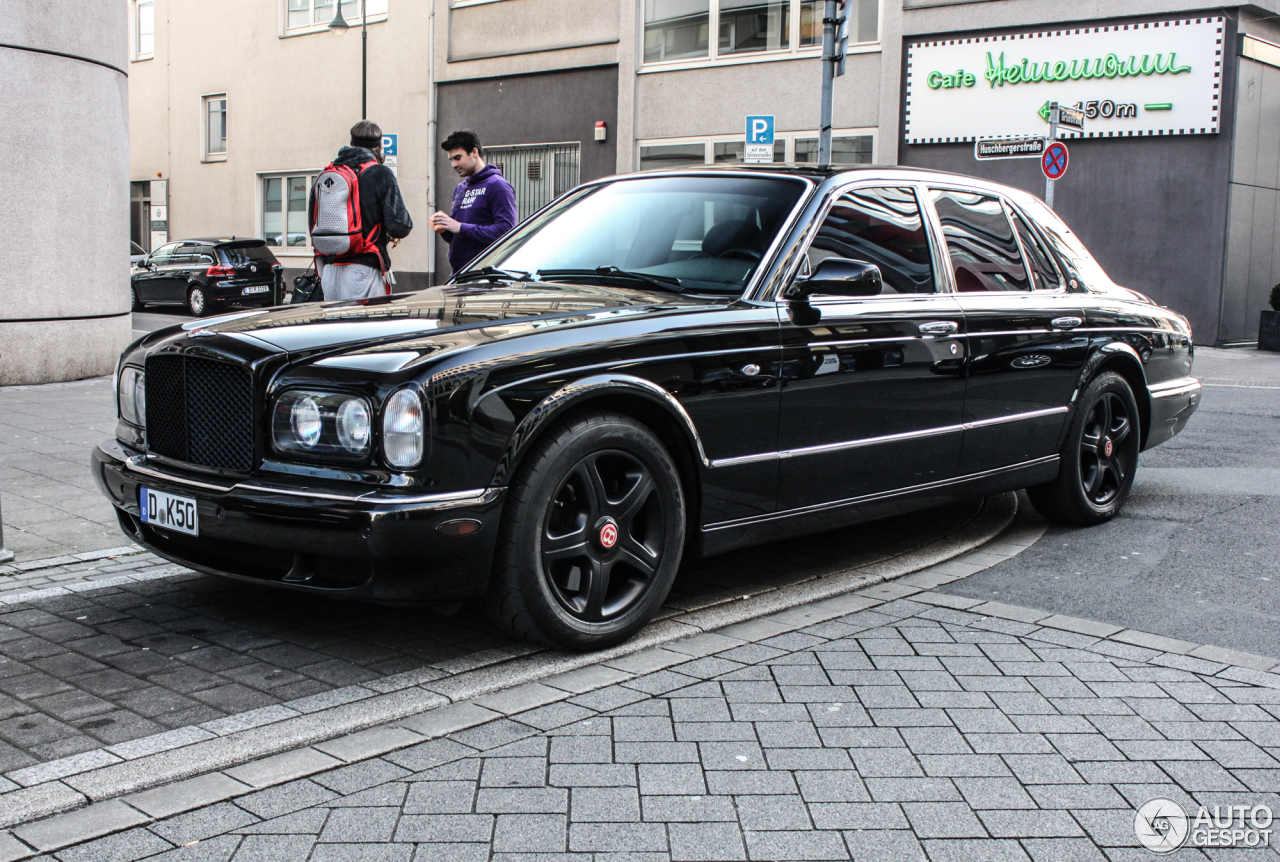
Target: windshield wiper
pixel 665 282
pixel 492 272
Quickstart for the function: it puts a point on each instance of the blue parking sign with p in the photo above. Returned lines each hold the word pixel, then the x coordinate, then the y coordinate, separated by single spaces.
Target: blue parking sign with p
pixel 389 145
pixel 760 130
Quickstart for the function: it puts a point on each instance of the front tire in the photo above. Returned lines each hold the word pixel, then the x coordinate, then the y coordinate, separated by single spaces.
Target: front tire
pixel 133 298
pixel 1099 458
pixel 591 535
pixel 196 302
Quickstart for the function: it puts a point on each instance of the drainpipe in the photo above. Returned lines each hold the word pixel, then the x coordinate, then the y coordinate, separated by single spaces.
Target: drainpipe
pixel 431 139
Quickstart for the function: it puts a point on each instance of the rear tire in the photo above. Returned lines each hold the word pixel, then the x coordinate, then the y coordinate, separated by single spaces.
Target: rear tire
pixel 1099 457
pixel 591 535
pixel 196 302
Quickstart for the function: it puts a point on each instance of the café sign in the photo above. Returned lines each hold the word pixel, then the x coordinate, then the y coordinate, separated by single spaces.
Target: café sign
pixel 1146 79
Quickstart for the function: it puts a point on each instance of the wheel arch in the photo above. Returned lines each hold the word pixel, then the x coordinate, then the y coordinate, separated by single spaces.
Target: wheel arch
pixel 636 397
pixel 1121 358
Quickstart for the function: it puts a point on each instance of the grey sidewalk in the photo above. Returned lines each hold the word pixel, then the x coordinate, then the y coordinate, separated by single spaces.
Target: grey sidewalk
pixel 852 729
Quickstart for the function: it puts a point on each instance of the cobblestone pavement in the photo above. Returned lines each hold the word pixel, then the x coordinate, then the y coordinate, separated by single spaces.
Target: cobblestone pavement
pixel 163 656
pixel 51 505
pixel 906 730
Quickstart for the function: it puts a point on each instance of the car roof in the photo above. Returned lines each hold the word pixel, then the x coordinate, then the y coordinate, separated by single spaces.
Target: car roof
pixel 898 173
pixel 223 240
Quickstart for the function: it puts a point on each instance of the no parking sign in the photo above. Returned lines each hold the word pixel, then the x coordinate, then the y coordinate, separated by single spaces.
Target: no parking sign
pixel 1054 161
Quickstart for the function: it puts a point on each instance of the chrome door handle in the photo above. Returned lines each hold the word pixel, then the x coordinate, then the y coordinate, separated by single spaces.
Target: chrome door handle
pixel 939 327
pixel 1066 322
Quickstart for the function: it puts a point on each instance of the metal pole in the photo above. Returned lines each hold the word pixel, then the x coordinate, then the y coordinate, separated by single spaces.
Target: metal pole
pixel 828 79
pixel 5 554
pixel 1053 136
pixel 364 62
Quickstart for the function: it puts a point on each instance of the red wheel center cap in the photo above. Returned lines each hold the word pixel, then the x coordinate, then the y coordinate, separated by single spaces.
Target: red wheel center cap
pixel 1108 448
pixel 608 535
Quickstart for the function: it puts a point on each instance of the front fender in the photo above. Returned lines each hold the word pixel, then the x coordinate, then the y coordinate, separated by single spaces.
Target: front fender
pixel 588 389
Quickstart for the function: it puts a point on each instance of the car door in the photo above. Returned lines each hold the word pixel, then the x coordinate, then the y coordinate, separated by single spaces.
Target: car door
pixel 1024 357
pixel 149 281
pixel 185 261
pixel 873 390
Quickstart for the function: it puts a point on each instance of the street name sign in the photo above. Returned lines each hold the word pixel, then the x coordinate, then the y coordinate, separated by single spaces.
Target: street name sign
pixel 759 148
pixel 1054 161
pixel 1010 148
pixel 1070 118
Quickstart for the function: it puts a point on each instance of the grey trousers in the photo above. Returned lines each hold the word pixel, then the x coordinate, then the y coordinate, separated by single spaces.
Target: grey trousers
pixel 352 281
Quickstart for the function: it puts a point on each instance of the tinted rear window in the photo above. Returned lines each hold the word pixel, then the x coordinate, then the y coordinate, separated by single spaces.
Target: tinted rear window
pixel 234 255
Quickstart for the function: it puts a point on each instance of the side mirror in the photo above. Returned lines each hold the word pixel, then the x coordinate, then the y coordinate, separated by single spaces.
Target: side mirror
pixel 837 276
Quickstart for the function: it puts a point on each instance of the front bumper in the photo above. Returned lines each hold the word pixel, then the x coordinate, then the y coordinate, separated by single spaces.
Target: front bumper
pixel 1172 404
pixel 363 545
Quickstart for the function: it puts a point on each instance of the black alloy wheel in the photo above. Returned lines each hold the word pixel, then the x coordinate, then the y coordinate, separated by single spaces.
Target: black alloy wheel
pixel 602 537
pixel 1104 470
pixel 1099 458
pixel 196 301
pixel 592 534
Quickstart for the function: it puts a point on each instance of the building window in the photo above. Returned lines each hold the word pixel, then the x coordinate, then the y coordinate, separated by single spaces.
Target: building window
pixel 848 146
pixel 316 14
pixel 538 173
pixel 215 127
pixel 749 25
pixel 678 30
pixel 864 22
pixel 284 209
pixel 145 28
pixel 845 150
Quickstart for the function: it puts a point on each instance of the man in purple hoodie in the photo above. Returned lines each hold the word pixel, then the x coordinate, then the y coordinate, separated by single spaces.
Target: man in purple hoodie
pixel 484 204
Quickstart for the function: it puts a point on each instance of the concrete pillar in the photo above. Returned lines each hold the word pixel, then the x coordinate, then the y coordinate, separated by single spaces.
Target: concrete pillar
pixel 64 218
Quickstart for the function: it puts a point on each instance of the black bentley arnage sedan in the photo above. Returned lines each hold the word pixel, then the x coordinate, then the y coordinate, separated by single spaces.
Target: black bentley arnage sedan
pixel 651 368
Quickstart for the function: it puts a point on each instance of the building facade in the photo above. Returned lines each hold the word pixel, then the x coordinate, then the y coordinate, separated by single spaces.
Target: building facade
pixel 64 306
pixel 564 91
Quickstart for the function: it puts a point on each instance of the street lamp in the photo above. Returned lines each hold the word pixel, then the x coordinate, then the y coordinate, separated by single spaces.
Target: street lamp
pixel 340 26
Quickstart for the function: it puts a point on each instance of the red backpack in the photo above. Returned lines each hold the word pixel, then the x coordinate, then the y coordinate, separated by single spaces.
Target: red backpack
pixel 336 225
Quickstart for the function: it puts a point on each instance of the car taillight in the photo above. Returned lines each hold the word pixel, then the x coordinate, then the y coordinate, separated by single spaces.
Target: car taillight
pixel 220 271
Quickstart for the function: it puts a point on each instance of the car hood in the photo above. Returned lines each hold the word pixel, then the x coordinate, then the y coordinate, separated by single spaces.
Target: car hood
pixel 486 312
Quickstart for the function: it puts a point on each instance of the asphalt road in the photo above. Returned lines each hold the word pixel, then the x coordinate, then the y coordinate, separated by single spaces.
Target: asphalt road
pixel 158 317
pixel 1194 553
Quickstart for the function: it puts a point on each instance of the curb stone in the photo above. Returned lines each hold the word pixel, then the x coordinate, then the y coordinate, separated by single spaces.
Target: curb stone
pixel 284 729
pixel 115 815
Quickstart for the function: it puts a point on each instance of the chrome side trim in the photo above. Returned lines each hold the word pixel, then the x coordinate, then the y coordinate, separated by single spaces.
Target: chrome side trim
pixel 1171 388
pixel 887 438
pixel 448 499
pixel 1016 417
pixel 868 498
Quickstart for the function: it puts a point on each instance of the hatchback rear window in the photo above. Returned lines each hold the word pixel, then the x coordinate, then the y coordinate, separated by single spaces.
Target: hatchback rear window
pixel 235 255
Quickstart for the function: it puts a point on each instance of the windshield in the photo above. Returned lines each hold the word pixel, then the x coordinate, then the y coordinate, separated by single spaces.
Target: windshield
pixel 710 233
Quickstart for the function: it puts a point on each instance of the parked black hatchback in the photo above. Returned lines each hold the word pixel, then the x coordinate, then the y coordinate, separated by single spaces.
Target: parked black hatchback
pixel 206 275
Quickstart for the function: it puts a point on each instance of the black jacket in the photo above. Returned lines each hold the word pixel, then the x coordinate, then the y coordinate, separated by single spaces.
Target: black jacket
pixel 380 203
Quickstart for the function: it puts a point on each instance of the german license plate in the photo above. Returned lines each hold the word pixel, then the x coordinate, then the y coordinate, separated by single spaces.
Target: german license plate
pixel 262 288
pixel 169 511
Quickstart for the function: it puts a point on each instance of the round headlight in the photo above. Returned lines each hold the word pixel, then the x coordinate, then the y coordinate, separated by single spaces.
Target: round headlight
pixel 354 427
pixel 306 421
pixel 402 423
pixel 131 394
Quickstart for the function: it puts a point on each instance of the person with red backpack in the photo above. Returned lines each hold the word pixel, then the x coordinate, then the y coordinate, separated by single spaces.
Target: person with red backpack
pixel 354 212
